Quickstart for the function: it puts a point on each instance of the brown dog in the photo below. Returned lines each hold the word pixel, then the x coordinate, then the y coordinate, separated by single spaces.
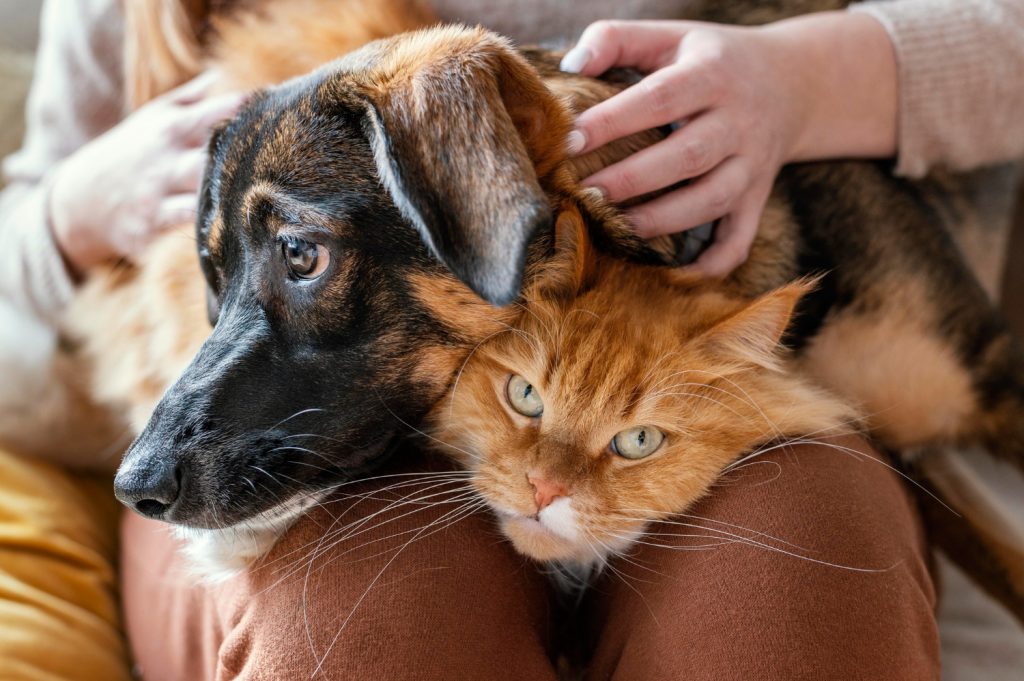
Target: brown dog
pixel 352 220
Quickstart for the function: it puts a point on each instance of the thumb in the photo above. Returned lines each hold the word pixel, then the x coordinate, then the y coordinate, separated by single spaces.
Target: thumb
pixel 643 45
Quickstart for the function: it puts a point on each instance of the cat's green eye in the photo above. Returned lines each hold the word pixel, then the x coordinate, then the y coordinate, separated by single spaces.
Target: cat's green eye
pixel 638 442
pixel 523 397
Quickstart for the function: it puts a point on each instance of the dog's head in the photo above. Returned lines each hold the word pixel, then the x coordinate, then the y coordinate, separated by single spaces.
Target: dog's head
pixel 359 229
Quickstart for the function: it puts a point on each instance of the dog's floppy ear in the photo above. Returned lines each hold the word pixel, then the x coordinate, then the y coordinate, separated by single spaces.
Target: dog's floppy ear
pixel 462 129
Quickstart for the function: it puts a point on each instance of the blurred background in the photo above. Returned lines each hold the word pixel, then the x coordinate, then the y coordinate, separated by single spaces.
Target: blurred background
pixel 19 31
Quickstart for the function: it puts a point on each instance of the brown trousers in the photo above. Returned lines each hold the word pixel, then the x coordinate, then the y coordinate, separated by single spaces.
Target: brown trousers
pixel 810 564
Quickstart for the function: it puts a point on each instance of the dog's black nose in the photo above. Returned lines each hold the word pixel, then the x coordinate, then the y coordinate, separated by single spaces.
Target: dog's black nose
pixel 151 491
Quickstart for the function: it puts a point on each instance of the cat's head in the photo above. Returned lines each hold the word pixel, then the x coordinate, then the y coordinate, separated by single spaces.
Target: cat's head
pixel 621 404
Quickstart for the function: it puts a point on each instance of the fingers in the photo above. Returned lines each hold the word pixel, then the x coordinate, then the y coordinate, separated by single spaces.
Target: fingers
pixel 669 95
pixel 734 236
pixel 187 171
pixel 194 90
pixel 174 211
pixel 709 198
pixel 688 152
pixel 643 45
pixel 199 118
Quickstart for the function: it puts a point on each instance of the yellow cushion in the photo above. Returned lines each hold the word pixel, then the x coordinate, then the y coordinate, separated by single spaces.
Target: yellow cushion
pixel 59 612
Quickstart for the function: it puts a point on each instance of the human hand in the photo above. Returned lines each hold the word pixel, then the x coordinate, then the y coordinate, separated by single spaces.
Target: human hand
pixel 746 101
pixel 114 195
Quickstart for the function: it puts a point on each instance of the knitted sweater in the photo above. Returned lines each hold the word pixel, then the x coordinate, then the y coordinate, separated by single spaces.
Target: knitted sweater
pixel 961 71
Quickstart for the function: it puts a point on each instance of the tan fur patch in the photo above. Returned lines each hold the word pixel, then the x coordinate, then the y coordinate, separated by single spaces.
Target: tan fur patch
pixel 454 305
pixel 910 385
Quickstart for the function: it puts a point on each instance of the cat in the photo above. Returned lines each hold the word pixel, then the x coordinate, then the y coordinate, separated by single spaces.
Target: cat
pixel 618 397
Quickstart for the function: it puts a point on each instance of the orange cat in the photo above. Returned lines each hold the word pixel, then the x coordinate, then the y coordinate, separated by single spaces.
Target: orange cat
pixel 619 397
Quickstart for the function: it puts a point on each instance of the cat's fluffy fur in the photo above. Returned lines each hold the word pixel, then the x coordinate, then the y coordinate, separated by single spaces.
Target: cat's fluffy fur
pixel 610 346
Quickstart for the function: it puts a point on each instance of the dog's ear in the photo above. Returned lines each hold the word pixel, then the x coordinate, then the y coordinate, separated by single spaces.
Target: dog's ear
pixel 462 128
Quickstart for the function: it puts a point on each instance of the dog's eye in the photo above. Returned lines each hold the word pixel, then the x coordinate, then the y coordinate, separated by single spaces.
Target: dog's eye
pixel 304 259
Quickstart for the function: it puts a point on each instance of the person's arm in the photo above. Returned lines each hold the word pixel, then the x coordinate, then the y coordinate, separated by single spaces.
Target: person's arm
pixel 90 186
pixel 75 96
pixel 818 86
pixel 749 100
pixel 961 80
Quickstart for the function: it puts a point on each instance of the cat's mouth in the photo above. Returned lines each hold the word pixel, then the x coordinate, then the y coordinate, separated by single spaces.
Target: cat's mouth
pixel 552 534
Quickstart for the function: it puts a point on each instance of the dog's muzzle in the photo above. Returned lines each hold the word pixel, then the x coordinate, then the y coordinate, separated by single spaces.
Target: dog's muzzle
pixel 151 489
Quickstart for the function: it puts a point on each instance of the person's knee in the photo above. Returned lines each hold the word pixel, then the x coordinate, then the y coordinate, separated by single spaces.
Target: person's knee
pixel 810 563
pixel 400 583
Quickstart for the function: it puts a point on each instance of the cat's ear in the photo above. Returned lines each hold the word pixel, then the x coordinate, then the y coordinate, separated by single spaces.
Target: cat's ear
pixel 752 335
pixel 572 269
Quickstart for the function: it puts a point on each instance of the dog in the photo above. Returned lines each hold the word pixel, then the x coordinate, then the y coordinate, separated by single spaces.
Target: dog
pixel 362 226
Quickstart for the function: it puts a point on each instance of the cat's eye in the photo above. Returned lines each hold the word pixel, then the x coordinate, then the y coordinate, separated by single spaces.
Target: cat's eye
pixel 304 259
pixel 638 442
pixel 523 397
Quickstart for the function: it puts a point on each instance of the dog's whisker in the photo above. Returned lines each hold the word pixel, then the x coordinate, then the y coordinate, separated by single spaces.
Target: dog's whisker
pixel 301 412
pixel 331 533
pixel 359 601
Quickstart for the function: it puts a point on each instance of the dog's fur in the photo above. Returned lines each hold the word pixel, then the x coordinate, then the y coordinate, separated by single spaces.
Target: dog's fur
pixel 432 166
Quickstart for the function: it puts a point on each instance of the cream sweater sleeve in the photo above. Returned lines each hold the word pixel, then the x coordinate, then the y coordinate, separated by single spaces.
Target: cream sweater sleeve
pixel 961 71
pixel 75 96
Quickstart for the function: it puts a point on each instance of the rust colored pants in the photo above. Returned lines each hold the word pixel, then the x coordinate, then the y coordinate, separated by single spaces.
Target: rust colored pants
pixel 809 565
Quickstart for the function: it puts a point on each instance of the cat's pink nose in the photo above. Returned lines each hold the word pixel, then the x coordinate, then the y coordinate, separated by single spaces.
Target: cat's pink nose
pixel 545 491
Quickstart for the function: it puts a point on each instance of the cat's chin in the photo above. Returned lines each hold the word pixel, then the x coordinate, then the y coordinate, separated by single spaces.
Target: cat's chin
pixel 533 538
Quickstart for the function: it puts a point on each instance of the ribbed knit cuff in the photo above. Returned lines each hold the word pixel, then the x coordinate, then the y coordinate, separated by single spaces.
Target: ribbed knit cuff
pixel 959 75
pixel 33 273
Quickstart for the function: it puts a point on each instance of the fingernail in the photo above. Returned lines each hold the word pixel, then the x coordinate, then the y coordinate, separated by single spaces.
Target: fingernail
pixel 574 142
pixel 600 191
pixel 575 59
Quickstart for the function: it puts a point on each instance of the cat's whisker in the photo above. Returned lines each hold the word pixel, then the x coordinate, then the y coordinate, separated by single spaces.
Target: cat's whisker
pixel 605 564
pixel 358 602
pixel 657 364
pixel 431 477
pixel 744 394
pixel 462 367
pixel 419 431
pixel 709 399
pixel 648 514
pixel 744 398
pixel 860 456
pixel 656 517
pixel 463 504
pixel 791 554
pixel 644 542
pixel 306 562
pixel 625 555
pixel 419 502
pixel 750 400
pixel 753 542
pixel 433 481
